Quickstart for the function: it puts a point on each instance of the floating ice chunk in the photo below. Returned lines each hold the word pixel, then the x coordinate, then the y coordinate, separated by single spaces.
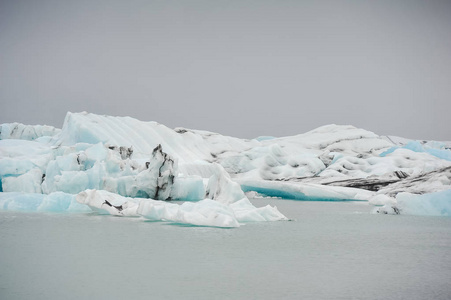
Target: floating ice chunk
pixel 20 201
pixel 55 202
pixel 207 213
pixel 61 202
pixel 221 188
pixel 304 191
pixel 431 204
pixel 104 202
pixel 203 213
pixel 387 209
pixel 156 210
pixel 246 212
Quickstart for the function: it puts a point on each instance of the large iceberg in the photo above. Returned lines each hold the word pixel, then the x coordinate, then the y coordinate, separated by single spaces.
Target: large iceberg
pixel 124 160
pixel 140 165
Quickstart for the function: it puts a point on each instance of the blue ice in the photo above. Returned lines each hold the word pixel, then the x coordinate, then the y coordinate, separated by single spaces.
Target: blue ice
pixel 31 202
pixel 417 147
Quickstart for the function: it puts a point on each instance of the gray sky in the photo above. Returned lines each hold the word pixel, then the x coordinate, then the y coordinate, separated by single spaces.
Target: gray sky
pixel 241 68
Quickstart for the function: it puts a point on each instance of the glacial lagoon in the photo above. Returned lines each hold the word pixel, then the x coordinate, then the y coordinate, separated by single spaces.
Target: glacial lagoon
pixel 331 250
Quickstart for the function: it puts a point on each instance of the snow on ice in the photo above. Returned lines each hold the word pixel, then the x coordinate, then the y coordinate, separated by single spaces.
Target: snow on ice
pixel 126 167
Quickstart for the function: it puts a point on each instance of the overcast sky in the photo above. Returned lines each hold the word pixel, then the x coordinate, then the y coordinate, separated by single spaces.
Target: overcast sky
pixel 241 68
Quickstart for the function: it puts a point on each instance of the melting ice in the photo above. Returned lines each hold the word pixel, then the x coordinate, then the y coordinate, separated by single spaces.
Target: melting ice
pixel 125 167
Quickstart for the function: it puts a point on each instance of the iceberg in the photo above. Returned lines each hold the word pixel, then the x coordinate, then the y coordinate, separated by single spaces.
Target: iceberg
pixel 140 166
pixel 431 204
pixel 206 212
pixel 32 202
pixel 305 191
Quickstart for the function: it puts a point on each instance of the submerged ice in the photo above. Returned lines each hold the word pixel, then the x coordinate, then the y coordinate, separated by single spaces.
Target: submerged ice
pixel 125 167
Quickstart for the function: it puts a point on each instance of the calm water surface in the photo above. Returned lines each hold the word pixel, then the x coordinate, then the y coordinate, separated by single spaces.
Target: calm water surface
pixel 334 250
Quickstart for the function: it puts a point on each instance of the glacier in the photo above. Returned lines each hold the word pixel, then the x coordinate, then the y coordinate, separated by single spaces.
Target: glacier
pixel 130 168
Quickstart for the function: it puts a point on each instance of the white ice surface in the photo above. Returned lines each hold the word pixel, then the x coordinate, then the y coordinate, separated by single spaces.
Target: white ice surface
pixel 183 144
pixel 206 212
pixel 26 132
pixel 202 213
pixel 117 154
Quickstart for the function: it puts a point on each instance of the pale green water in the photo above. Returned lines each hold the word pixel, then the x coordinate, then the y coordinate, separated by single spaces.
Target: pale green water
pixel 332 251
